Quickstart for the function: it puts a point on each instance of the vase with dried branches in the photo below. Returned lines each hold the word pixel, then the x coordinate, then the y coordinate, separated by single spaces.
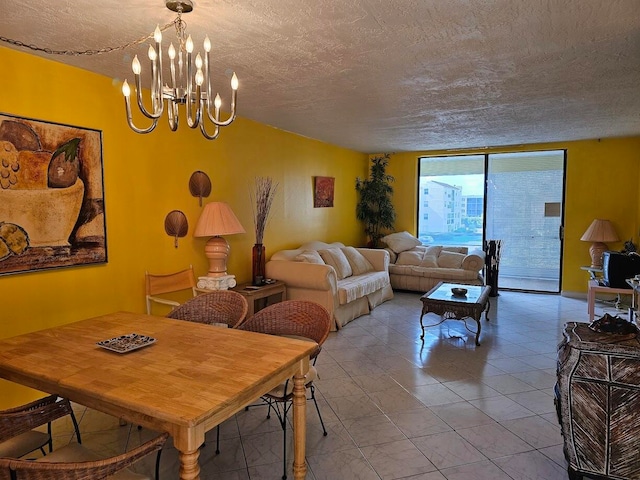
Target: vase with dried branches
pixel 262 195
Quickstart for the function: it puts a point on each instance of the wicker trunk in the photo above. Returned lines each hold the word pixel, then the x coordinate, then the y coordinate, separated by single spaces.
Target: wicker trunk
pixel 598 400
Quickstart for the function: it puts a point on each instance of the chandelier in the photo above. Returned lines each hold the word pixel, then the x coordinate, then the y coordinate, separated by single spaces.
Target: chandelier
pixel 190 84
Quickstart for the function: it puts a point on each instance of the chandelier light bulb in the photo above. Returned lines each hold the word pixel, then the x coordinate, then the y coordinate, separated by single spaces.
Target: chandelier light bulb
pixel 172 52
pixel 157 34
pixel 189 45
pixel 234 81
pixel 199 62
pixel 218 101
pixel 126 91
pixel 199 77
pixel 207 44
pixel 152 54
pixel 135 65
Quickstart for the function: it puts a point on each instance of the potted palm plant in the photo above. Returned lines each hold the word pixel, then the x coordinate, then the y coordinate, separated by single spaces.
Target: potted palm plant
pixel 374 208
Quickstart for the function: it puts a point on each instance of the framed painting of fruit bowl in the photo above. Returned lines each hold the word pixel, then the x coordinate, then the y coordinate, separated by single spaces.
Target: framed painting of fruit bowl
pixel 51 196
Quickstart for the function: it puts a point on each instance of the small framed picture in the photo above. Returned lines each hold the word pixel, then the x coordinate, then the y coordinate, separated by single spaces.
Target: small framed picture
pixel 323 192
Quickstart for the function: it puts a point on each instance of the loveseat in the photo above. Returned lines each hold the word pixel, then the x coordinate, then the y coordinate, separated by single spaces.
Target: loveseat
pixel 347 281
pixel 418 267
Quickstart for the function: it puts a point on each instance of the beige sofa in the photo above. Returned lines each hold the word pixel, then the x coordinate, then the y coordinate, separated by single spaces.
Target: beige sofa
pixel 347 281
pixel 418 267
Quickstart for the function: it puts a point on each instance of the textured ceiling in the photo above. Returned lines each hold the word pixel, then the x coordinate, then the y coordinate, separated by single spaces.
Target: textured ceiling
pixel 385 75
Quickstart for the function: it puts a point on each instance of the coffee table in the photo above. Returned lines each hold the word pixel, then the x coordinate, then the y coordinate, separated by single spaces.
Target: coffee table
pixel 441 301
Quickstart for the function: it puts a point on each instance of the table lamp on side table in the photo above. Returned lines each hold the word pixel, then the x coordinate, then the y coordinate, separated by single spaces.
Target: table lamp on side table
pixel 217 219
pixel 599 231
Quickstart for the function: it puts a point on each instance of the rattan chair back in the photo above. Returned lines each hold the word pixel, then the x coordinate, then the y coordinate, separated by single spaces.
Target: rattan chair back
pixel 92 470
pixel 216 307
pixel 295 318
pixel 25 418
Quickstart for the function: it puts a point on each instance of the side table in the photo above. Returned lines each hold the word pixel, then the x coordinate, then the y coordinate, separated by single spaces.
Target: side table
pixel 260 297
pixel 595 287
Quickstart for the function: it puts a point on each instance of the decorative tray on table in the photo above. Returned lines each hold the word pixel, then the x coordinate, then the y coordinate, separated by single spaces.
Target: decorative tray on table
pixel 126 343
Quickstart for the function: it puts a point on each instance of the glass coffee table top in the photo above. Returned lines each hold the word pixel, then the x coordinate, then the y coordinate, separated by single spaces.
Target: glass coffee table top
pixel 443 292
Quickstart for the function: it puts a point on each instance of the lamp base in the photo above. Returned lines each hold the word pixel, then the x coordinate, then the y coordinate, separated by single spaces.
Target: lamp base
pixel 224 282
pixel 217 250
pixel 596 250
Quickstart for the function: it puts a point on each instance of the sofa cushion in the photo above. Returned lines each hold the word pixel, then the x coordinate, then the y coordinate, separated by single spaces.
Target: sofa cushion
pixel 337 259
pixel 433 250
pixel 450 260
pixel 429 261
pixel 359 264
pixel 444 274
pixel 354 287
pixel 309 256
pixel 464 250
pixel 401 241
pixel 410 257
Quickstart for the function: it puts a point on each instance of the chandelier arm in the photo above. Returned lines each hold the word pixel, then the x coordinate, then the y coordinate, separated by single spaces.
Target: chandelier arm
pixel 232 115
pixel 194 121
pixel 172 114
pixel 151 127
pixel 157 112
pixel 203 130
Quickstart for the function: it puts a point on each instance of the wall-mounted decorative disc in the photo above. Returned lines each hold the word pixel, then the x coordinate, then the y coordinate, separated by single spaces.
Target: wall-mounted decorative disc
pixel 176 225
pixel 200 185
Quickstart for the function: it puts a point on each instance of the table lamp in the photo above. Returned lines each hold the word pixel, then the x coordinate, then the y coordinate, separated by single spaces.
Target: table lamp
pixel 599 232
pixel 217 219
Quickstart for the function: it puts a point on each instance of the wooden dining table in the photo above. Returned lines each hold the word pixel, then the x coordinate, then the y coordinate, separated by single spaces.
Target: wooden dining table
pixel 191 379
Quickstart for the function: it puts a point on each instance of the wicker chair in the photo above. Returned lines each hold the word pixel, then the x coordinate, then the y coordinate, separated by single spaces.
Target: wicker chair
pixel 298 319
pixel 168 283
pixel 219 307
pixel 17 435
pixel 86 466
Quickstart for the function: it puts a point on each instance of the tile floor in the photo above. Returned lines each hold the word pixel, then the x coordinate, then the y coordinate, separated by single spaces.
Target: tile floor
pixel 396 407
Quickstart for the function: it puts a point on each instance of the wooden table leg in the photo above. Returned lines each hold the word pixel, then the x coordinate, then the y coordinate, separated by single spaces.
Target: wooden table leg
pixel 299 427
pixel 189 468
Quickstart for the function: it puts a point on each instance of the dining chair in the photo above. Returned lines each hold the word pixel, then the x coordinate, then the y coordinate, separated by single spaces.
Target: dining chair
pixel 302 320
pixel 181 281
pixel 224 308
pixel 219 307
pixel 18 436
pixel 74 462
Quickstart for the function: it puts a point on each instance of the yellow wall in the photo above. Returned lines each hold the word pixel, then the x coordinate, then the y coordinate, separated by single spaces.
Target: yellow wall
pixel 147 176
pixel 602 179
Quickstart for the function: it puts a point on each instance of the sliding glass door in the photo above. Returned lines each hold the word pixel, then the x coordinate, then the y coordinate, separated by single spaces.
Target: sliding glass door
pixel 516 198
pixel 524 205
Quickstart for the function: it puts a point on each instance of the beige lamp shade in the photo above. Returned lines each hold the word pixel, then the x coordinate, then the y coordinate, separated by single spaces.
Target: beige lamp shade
pixel 599 232
pixel 217 219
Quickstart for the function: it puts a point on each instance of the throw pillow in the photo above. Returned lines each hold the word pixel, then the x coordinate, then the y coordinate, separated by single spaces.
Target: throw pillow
pixel 429 261
pixel 337 259
pixel 401 241
pixel 434 250
pixel 409 257
pixel 309 256
pixel 359 264
pixel 450 260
